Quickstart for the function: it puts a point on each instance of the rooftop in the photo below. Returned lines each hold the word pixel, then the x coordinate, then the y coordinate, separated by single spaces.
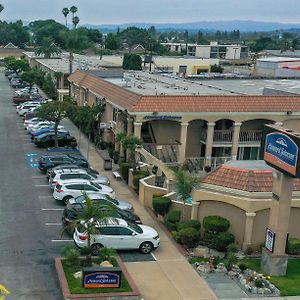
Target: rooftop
pixel 250 176
pixel 278 59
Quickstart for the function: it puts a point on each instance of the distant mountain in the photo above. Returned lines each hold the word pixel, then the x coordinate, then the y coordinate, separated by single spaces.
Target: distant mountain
pixel 243 26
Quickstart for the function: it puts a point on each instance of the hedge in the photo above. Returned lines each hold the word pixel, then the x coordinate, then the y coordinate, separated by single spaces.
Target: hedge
pixel 222 240
pixel 190 223
pixel 124 168
pixel 293 246
pixel 172 219
pixel 188 236
pixel 161 205
pixel 216 224
pixel 137 177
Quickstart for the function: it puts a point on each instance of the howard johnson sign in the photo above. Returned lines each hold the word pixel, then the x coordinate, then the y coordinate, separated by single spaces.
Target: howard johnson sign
pixel 281 149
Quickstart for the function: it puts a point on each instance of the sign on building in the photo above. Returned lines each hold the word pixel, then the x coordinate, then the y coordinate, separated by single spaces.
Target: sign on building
pixel 280 149
pixel 270 239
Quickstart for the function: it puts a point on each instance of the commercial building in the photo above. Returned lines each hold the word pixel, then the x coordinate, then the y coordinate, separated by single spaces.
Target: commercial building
pixel 10 50
pixel 278 67
pixel 179 124
pixel 213 50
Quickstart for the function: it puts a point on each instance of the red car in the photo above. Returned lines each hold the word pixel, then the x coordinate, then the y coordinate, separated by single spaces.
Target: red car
pixel 21 99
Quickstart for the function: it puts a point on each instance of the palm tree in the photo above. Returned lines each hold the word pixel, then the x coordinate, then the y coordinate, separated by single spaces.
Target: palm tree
pixel 48 48
pixel 75 21
pixel 73 10
pixel 184 184
pixel 65 12
pixel 92 214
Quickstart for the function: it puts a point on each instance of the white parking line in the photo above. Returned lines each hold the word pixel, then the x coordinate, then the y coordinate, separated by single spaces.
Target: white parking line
pixel 53 224
pixel 57 241
pixel 153 256
pixel 52 209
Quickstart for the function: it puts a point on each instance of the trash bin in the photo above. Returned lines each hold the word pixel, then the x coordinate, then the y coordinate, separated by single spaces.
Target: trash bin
pixel 106 158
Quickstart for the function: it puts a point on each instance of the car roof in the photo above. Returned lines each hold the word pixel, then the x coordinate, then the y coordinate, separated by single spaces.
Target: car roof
pixel 95 195
pixel 75 180
pixel 71 171
pixel 111 222
pixel 62 166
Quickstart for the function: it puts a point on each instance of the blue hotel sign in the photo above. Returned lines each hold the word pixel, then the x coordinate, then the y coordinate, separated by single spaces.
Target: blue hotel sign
pixel 102 277
pixel 281 152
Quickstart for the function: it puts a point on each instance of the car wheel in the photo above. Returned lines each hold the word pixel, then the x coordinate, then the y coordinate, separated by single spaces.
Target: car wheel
pixel 66 200
pixel 146 247
pixel 95 249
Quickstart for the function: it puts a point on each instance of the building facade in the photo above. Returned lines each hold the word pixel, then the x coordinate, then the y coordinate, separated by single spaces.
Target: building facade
pixel 199 130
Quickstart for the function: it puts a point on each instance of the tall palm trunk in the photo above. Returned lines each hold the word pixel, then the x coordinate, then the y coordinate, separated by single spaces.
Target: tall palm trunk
pixel 71 58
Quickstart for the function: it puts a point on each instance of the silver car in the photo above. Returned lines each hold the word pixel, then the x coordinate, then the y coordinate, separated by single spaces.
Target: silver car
pixel 76 173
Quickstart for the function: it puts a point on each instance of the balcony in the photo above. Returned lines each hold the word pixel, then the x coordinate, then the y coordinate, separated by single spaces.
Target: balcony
pixel 250 136
pixel 223 136
pixel 167 153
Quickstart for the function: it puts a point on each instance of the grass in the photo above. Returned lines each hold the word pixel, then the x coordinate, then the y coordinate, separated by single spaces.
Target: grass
pixel 75 285
pixel 288 285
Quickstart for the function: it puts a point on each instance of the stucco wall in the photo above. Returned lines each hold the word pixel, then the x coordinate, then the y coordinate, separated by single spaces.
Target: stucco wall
pixel 166 132
pixel 193 139
pixel 259 227
pixel 294 227
pixel 293 124
pixel 235 215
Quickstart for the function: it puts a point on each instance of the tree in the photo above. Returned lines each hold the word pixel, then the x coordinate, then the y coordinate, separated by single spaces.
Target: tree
pixel 30 77
pixel 132 62
pixel 58 76
pixel 75 21
pixel 112 42
pixel 1 7
pixel 92 215
pixel 185 183
pixel 54 112
pixel 65 11
pixel 48 48
pixel 73 10
pixel 18 65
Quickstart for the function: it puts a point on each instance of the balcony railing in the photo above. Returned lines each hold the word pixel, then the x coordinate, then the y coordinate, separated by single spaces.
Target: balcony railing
pixel 223 136
pixel 197 164
pixel 167 153
pixel 250 136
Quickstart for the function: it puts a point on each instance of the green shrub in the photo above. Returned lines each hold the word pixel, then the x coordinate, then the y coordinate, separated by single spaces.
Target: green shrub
pixel 161 205
pixel 72 255
pixel 242 266
pixel 259 283
pixel 124 168
pixel 208 236
pixel 216 224
pixel 233 248
pixel 230 261
pixel 175 236
pixel 190 223
pixel 222 240
pixel 136 178
pixel 188 236
pixel 293 246
pixel 172 219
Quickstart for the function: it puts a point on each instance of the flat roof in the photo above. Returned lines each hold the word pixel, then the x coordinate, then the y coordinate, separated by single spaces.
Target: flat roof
pixel 258 165
pixel 278 59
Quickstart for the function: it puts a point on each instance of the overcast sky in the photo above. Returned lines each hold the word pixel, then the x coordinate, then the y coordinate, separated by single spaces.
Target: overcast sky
pixel 156 11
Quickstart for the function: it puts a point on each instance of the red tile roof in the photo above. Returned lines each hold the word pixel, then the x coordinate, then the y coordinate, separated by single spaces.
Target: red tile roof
pixel 243 179
pixel 177 103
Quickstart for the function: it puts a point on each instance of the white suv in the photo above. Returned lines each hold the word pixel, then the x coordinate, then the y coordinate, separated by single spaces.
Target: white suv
pixel 66 174
pixel 68 189
pixel 118 234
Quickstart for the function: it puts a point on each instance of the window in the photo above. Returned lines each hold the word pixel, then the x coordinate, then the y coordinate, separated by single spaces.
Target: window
pixel 100 101
pixel 84 176
pixel 89 188
pixel 115 114
pixel 75 187
pixel 109 230
pixel 125 231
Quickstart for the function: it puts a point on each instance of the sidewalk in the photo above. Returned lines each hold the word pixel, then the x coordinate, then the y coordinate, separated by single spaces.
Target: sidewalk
pixel 170 277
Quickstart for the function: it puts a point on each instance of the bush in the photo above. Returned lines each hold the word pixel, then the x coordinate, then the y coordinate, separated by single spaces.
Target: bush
pixel 230 261
pixel 190 223
pixel 242 266
pixel 208 236
pixel 161 205
pixel 259 283
pixel 222 240
pixel 137 177
pixel 216 224
pixel 188 236
pixel 124 168
pixel 293 246
pixel 172 219
pixel 233 248
pixel 72 255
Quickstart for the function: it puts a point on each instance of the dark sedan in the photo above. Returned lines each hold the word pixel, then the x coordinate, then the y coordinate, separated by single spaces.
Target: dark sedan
pixel 48 140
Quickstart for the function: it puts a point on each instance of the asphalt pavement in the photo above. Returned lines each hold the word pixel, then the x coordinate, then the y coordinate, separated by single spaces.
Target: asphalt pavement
pixel 27 243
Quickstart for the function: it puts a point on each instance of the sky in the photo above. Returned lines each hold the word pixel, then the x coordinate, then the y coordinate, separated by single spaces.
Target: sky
pixel 154 11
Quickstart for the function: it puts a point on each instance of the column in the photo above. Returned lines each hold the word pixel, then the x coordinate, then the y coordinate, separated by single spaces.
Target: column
pixel 182 146
pixel 195 210
pixel 248 230
pixel 235 140
pixel 169 185
pixel 129 126
pixel 209 143
pixel 137 129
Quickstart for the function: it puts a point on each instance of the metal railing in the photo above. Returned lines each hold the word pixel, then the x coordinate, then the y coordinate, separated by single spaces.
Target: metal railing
pixel 167 153
pixel 197 164
pixel 250 136
pixel 223 136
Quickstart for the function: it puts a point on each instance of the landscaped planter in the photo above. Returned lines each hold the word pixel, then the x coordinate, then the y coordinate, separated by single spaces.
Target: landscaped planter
pixel 90 294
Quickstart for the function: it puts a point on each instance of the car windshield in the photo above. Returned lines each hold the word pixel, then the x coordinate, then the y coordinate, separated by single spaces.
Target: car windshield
pixel 98 186
pixel 79 199
pixel 135 227
pixel 114 201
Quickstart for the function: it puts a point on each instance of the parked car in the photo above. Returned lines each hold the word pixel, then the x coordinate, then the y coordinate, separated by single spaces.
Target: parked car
pixel 65 174
pixel 117 234
pixel 50 161
pixel 52 171
pixel 72 212
pixel 8 72
pixel 47 130
pixel 48 140
pixel 121 204
pixel 26 107
pixel 21 99
pixel 72 188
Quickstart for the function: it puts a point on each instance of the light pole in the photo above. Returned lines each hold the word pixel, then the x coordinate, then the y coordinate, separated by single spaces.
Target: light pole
pixel 234 57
